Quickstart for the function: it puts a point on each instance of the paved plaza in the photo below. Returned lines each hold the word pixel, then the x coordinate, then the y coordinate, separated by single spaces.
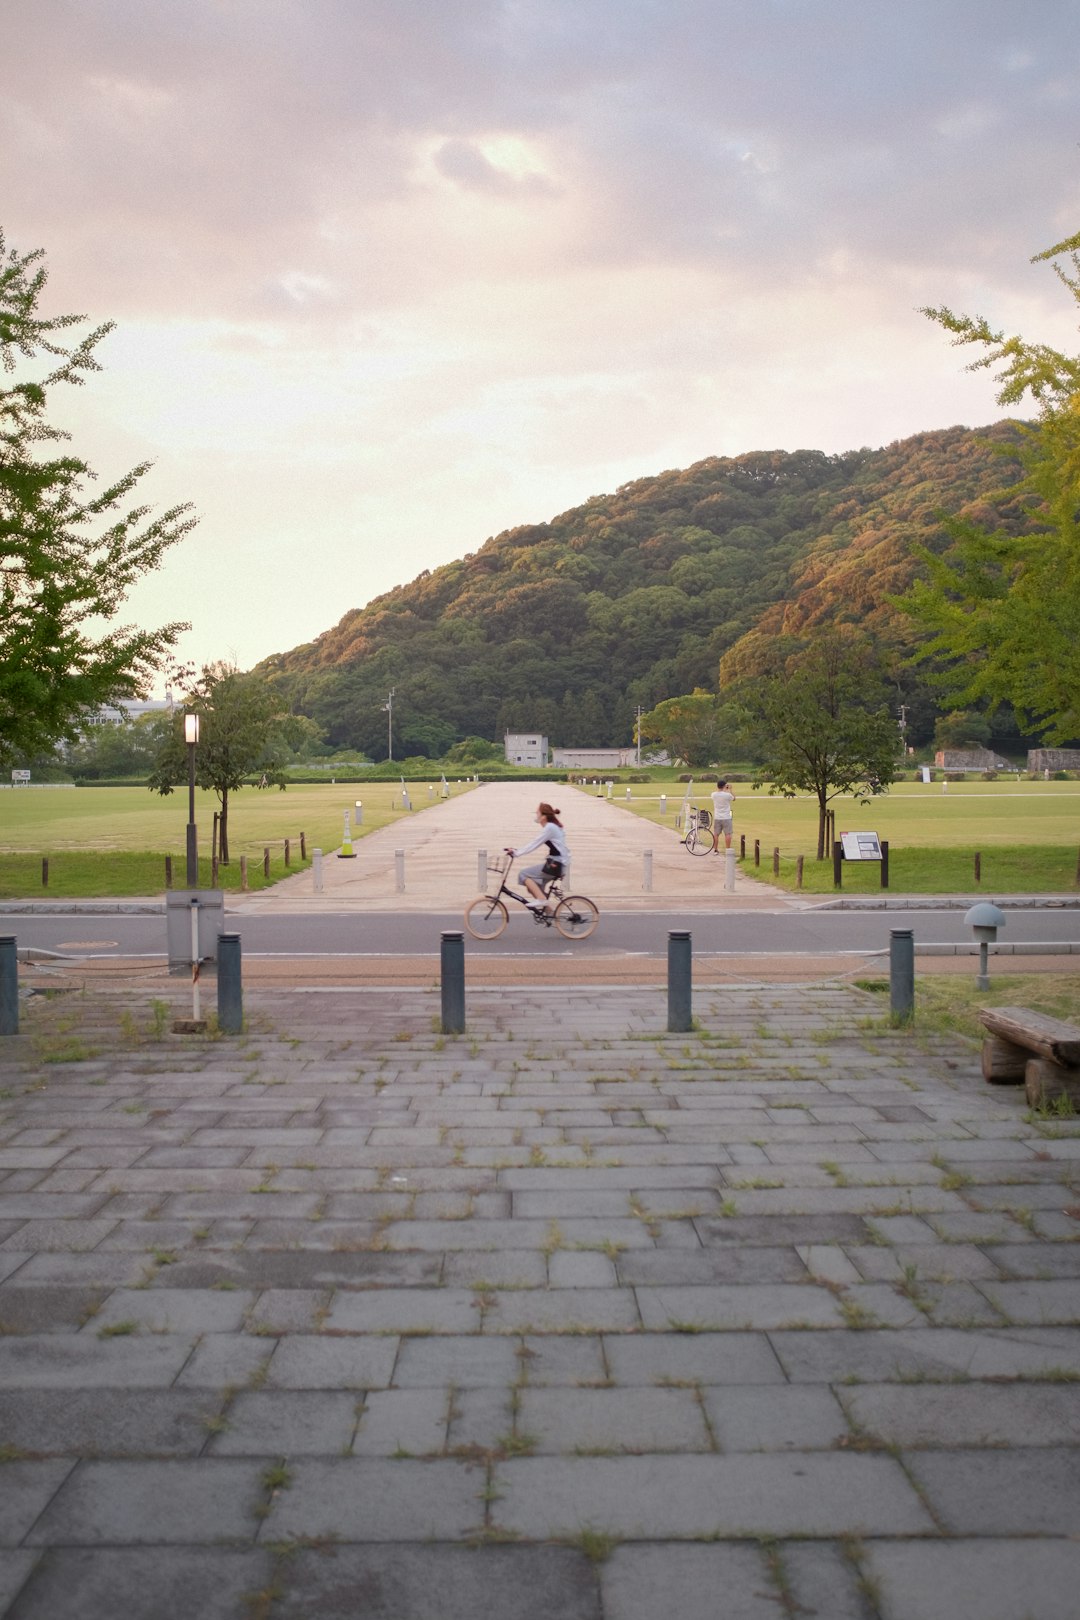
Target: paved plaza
pixel 562 1317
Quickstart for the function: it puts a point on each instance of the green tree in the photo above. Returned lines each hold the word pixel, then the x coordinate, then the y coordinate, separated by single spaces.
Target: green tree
pixel 1003 608
pixel 691 728
pixel 245 730
pixel 819 721
pixel 68 554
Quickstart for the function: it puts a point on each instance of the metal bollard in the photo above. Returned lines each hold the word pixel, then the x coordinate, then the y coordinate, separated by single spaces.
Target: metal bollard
pixel 230 995
pixel 901 975
pixel 358 813
pixel 399 870
pixel 316 868
pixel 729 870
pixel 452 983
pixel 9 986
pixel 481 869
pixel 646 871
pixel 663 804
pixel 679 1015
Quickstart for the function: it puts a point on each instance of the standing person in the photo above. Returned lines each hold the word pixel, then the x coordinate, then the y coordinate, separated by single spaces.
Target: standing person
pixel 723 801
pixel 558 857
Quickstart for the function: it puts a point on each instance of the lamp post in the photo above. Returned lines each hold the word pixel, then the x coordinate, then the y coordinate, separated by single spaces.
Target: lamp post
pixel 388 710
pixel 191 737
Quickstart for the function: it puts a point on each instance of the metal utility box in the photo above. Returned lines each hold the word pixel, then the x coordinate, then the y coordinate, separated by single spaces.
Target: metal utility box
pixel 211 908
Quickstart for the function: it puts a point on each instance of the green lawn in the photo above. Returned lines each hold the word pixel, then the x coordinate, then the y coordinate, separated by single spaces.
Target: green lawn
pixel 1027 834
pixel 113 841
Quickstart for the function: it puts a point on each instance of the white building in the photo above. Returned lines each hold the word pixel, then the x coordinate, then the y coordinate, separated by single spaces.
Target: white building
pixel 525 748
pixel 593 759
pixel 119 714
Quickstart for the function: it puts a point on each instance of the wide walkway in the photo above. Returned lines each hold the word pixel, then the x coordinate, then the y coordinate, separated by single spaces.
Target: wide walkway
pixel 565 1318
pixel 441 844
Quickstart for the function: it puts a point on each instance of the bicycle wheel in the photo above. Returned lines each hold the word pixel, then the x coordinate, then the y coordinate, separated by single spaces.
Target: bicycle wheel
pixel 699 842
pixel 576 917
pixel 486 918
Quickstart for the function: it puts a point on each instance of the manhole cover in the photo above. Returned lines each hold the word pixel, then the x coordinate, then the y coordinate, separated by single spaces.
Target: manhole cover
pixel 86 944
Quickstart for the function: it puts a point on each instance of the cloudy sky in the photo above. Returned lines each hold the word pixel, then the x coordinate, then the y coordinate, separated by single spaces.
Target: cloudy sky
pixel 392 275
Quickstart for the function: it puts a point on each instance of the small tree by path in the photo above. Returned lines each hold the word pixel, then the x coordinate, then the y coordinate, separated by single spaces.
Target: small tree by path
pixel 818 722
pixel 244 729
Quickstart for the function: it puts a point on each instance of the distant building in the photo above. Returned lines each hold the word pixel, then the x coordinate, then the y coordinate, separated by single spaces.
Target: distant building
pixel 119 714
pixel 1053 759
pixel 593 759
pixel 970 759
pixel 525 748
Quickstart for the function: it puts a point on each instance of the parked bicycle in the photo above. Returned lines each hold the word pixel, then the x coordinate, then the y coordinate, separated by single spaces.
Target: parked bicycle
pixel 573 915
pixel 698 834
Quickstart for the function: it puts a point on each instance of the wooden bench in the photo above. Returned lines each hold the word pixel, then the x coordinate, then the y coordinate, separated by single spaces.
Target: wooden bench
pixel 1029 1047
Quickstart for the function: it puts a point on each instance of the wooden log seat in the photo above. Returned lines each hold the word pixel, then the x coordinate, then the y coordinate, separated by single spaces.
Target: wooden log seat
pixel 1014 1034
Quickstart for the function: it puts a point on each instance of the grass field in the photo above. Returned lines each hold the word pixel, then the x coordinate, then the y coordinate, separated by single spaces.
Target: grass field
pixel 113 841
pixel 1027 834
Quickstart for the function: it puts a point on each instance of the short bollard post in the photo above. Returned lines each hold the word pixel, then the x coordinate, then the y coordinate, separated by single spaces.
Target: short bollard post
pixel 452 982
pixel 798 872
pixel 837 869
pixel 9 986
pixel 757 851
pixel 303 846
pixel 316 867
pixel 399 870
pixel 901 975
pixel 358 813
pixel 44 871
pixel 266 861
pixel 884 863
pixel 646 871
pixel 288 852
pixel 243 872
pixel 230 995
pixel 679 1015
pixel 663 804
pixel 481 869
pixel 776 862
pixel 729 870
pixel 742 846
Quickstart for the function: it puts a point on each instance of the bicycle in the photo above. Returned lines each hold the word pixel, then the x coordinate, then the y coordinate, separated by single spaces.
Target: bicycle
pixel 573 915
pixel 698 838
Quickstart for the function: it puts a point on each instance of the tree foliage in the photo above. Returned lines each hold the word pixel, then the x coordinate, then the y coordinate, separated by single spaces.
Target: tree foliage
pixel 819 722
pixel 69 554
pixel 690 727
pixel 245 730
pixel 1002 607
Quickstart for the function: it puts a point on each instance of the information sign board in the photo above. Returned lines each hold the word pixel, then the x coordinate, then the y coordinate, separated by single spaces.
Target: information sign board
pixel 19 777
pixel 861 846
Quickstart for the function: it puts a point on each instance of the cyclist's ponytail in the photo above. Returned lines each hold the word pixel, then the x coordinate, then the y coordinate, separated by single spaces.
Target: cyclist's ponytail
pixel 549 813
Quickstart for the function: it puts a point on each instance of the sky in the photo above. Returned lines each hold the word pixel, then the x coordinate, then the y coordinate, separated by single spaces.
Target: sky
pixel 391 276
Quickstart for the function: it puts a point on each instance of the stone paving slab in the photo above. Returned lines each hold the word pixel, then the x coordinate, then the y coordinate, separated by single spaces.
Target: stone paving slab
pixel 562 1316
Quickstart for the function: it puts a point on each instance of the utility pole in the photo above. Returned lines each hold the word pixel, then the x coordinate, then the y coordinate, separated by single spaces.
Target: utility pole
pixel 388 708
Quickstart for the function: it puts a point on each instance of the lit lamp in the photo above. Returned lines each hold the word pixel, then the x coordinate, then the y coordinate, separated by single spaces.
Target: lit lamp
pixel 191 737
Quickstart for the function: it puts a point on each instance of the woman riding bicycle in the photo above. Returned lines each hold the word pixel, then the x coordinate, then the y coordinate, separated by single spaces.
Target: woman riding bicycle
pixel 558 858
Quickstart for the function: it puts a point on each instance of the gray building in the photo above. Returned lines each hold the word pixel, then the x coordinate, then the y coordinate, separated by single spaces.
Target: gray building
pixel 525 748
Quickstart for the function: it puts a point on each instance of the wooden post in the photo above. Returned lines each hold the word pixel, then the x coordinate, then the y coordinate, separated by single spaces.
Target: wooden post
pixel 1046 1083
pixel 287 853
pixel 776 863
pixel 978 866
pixel 213 869
pixel 303 846
pixel 742 853
pixel 243 872
pixel 757 851
pixel 44 871
pixel 798 872
pixel 884 863
pixel 1003 1062
pixel 837 857
pixel 168 871
pixel 266 861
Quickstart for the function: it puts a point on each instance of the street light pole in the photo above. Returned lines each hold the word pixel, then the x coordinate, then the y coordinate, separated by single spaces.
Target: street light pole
pixel 191 737
pixel 389 708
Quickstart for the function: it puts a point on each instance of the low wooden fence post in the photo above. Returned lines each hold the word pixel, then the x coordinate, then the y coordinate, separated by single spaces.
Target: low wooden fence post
pixel 243 872
pixel 798 872
pixel 288 851
pixel 776 863
pixel 303 846
pixel 168 871
pixel 44 871
pixel 266 861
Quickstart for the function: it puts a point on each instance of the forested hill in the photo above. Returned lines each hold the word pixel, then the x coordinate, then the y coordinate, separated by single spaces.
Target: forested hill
pixel 634 597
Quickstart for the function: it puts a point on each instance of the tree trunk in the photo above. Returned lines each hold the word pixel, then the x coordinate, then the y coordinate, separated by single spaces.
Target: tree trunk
pixel 823 811
pixel 223 829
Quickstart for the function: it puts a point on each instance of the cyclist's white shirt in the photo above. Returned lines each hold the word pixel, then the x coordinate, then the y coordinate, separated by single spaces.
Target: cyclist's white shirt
pixel 550 834
pixel 722 804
